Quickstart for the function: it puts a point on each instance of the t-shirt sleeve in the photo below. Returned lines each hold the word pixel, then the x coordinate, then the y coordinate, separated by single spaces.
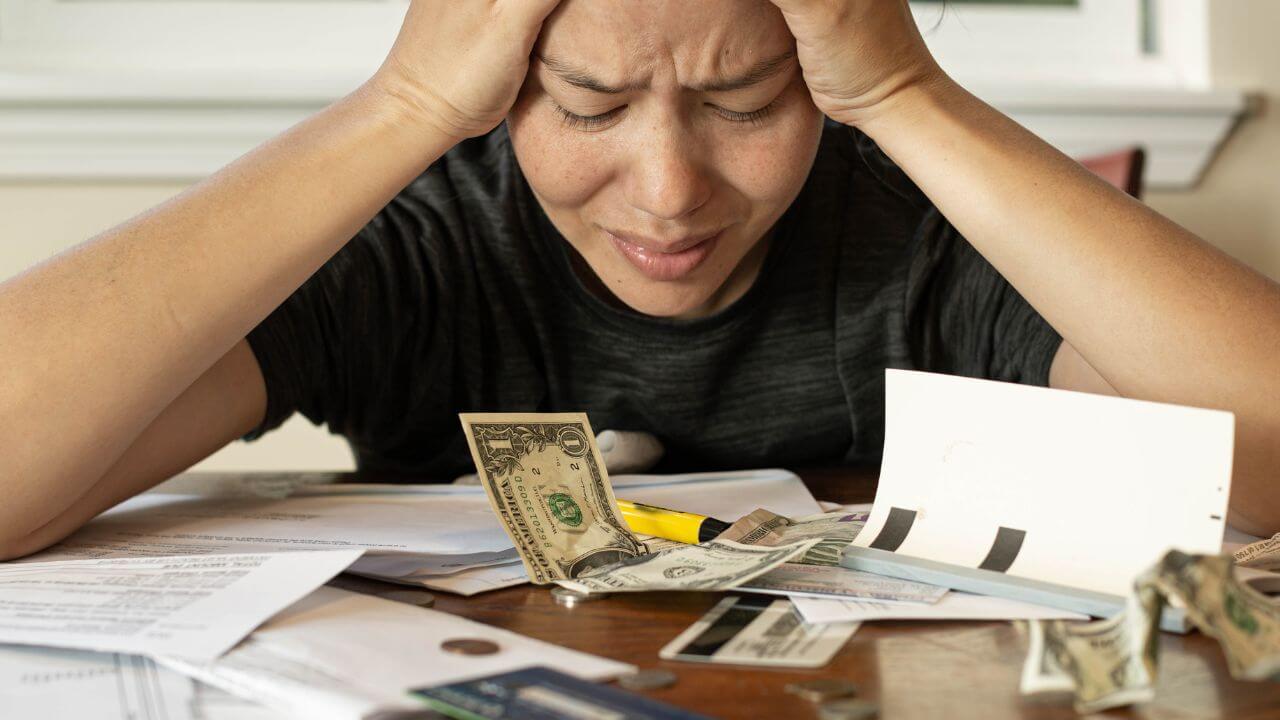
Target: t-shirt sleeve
pixel 964 318
pixel 344 346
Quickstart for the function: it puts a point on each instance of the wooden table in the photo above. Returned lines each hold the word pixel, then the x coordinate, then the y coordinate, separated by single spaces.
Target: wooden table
pixel 912 669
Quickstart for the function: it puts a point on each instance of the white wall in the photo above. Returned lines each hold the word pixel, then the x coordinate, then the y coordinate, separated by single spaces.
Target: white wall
pixel 1237 206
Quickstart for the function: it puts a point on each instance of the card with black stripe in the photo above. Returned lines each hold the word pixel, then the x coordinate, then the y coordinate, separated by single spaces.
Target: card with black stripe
pixel 540 693
pixel 754 630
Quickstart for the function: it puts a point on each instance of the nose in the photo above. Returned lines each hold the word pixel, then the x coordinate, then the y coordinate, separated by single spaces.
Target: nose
pixel 668 179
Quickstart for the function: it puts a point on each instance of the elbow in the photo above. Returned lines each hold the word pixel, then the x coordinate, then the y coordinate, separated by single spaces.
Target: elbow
pixel 1254 506
pixel 14 548
pixel 16 543
pixel 1255 494
pixel 1253 522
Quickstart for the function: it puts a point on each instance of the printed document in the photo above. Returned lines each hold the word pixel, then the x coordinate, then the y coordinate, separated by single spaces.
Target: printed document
pixel 444 537
pixel 190 606
pixel 41 683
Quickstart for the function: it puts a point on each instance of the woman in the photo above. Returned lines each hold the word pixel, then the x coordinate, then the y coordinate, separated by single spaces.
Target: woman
pixel 736 276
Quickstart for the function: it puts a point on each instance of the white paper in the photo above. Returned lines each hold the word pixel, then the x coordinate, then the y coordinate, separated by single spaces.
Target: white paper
pixel 953 606
pixel 340 655
pixel 1101 486
pixel 828 507
pixel 41 683
pixel 468 582
pixel 436 520
pixel 726 496
pixel 193 606
pixel 444 537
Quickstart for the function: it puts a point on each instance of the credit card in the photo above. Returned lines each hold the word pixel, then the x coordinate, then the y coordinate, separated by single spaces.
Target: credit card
pixel 752 630
pixel 540 693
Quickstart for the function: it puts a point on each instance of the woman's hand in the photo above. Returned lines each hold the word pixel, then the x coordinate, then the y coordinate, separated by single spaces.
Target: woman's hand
pixel 460 63
pixel 858 54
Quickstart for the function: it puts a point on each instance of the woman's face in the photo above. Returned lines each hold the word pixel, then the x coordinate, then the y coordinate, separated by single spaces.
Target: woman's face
pixel 698 133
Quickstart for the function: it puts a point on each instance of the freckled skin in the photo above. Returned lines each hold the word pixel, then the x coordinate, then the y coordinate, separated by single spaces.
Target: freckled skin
pixel 670 164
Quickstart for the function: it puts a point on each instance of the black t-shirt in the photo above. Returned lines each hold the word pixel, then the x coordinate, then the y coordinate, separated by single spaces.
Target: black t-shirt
pixel 461 296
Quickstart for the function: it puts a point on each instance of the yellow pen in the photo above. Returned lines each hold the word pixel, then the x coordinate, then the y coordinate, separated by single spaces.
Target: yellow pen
pixel 675 525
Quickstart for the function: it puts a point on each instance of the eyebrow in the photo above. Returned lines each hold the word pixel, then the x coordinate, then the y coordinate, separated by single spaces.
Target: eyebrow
pixel 580 78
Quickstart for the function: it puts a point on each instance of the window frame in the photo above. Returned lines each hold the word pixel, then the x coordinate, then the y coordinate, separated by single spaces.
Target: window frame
pixel 1127 43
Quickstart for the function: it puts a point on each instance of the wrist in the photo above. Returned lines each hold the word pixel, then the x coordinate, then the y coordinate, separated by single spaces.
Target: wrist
pixel 908 101
pixel 411 104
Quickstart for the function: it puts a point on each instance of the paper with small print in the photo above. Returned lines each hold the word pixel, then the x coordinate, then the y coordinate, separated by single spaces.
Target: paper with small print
pixel 189 606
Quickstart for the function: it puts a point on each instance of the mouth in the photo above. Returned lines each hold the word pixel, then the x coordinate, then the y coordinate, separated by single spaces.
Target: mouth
pixel 665 261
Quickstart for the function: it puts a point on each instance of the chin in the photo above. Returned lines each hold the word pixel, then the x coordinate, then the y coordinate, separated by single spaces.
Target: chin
pixel 665 300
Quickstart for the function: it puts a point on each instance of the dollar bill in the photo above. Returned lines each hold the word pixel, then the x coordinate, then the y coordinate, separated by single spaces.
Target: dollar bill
pixel 1245 622
pixel 1109 663
pixel 1262 555
pixel 715 565
pixel 792 578
pixel 1112 663
pixel 832 530
pixel 544 478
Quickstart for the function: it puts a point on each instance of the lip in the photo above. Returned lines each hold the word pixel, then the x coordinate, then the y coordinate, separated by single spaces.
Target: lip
pixel 664 261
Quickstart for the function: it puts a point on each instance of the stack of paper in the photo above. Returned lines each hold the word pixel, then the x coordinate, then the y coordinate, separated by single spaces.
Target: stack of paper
pixel 444 537
pixel 185 572
pixel 435 531
pixel 193 606
pixel 38 683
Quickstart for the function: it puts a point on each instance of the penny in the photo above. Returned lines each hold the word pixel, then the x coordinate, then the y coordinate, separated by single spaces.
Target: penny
pixel 817 691
pixel 648 680
pixel 848 709
pixel 571 598
pixel 470 646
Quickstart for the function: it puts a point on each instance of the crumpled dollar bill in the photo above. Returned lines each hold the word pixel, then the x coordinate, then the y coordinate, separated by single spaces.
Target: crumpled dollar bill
pixel 833 531
pixel 1112 663
pixel 1262 555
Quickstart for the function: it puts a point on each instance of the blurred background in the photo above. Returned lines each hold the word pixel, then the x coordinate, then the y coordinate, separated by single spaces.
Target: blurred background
pixel 108 107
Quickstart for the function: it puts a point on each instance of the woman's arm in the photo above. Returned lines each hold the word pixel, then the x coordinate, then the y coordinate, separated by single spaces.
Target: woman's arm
pixel 1159 313
pixel 100 341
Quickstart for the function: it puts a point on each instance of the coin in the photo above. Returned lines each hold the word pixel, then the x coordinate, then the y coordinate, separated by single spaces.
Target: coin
pixel 848 709
pixel 816 691
pixel 469 646
pixel 648 680
pixel 571 598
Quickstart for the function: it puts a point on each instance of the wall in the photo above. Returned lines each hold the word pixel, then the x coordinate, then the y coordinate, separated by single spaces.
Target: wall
pixel 1237 207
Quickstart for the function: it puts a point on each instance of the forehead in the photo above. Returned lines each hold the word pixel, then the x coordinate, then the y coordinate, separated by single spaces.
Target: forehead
pixel 620 38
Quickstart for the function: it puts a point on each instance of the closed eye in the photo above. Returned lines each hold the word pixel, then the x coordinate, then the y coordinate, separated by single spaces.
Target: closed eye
pixel 591 122
pixel 586 122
